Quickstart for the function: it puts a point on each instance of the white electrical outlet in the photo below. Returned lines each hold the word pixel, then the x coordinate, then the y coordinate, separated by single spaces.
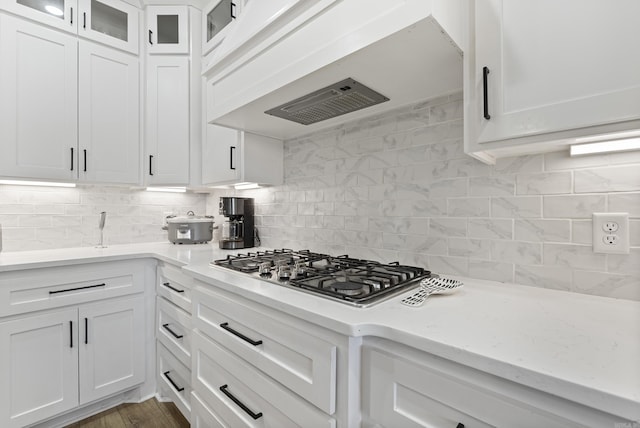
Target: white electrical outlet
pixel 611 233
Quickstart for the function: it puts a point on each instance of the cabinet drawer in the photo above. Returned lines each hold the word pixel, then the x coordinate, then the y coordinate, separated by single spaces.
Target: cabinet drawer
pixel 174 380
pixel 296 358
pixel 242 396
pixel 201 415
pixel 174 330
pixel 174 285
pixel 44 288
pixel 408 389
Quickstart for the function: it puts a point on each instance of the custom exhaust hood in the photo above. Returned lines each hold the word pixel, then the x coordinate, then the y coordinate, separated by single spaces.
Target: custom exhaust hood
pixel 418 62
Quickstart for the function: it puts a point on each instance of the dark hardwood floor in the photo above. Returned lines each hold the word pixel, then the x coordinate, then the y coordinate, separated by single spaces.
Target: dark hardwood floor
pixel 148 414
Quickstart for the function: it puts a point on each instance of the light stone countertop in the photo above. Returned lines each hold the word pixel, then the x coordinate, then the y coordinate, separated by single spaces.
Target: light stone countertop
pixel 579 347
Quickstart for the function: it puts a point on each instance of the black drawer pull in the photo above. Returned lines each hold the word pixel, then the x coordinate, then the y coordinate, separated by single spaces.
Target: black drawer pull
pixel 150 165
pixel 178 388
pixel 71 158
pixel 71 15
pixel 70 334
pixel 232 10
pixel 240 404
pixel 485 88
pixel 166 284
pixel 85 160
pixel 225 325
pixel 173 333
pixel 150 36
pixel 66 290
pixel 86 331
pixel 84 20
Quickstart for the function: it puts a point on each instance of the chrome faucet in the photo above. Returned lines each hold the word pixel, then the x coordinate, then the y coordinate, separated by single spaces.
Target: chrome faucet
pixel 103 218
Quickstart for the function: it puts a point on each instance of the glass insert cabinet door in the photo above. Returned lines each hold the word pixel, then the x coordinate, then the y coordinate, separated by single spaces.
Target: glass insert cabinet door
pixel 217 17
pixel 167 29
pixel 62 14
pixel 111 22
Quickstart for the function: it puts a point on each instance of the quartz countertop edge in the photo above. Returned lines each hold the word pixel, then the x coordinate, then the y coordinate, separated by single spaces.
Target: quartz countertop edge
pixel 579 347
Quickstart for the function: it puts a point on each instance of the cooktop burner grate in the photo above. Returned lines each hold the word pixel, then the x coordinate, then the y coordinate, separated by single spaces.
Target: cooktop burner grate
pixel 343 278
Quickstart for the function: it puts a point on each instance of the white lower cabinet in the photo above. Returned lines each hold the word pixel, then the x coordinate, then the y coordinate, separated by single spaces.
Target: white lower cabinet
pixel 253 366
pixel 57 360
pixel 201 415
pixel 404 387
pixel 174 337
pixel 174 380
pixel 38 367
pixel 242 396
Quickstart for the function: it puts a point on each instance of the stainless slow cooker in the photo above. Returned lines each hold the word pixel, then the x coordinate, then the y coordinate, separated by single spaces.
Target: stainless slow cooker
pixel 189 229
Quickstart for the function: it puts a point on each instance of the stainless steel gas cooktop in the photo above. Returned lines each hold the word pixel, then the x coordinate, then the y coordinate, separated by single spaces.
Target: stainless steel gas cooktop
pixel 353 281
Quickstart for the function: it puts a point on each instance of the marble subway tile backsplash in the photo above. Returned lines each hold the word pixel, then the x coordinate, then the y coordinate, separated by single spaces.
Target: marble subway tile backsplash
pixel 39 218
pixel 399 187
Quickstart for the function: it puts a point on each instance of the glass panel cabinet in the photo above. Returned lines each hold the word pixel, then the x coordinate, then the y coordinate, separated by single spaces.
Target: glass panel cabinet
pixel 167 30
pixel 61 14
pixel 216 19
pixel 111 22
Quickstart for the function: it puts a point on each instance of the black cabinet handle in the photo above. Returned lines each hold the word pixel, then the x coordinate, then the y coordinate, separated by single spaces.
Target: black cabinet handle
pixel 85 159
pixel 232 10
pixel 225 325
pixel 173 333
pixel 70 334
pixel 231 151
pixel 460 425
pixel 240 404
pixel 178 388
pixel 86 331
pixel 150 164
pixel 150 35
pixel 166 284
pixel 485 88
pixel 84 20
pixel 66 290
pixel 71 158
pixel 71 15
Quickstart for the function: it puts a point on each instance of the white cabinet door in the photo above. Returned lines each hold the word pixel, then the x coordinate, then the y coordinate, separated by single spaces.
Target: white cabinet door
pixel 38 101
pixel 61 14
pixel 112 348
pixel 221 154
pixel 216 19
pixel 167 30
pixel 112 22
pixel 231 157
pixel 554 66
pixel 109 135
pixel 167 120
pixel 38 367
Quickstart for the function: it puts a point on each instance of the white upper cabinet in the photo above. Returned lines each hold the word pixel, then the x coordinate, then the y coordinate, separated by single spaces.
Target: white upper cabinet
pixel 230 156
pixel 167 30
pixel 109 134
pixel 112 22
pixel 167 136
pixel 216 18
pixel 38 101
pixel 61 14
pixel 537 68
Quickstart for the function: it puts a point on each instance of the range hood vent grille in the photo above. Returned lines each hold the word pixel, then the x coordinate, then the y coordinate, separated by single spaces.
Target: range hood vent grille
pixel 334 100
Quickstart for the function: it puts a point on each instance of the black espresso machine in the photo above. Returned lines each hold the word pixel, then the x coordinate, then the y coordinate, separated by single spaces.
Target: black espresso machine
pixel 237 230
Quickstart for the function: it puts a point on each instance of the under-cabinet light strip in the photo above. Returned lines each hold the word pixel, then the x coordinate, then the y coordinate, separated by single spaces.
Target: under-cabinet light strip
pixel 605 147
pixel 36 183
